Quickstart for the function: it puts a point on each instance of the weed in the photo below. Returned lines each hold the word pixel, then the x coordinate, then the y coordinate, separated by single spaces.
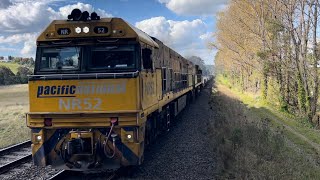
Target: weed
pixel 252 145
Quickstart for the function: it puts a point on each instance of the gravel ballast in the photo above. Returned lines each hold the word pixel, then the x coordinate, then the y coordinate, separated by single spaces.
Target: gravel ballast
pixel 186 151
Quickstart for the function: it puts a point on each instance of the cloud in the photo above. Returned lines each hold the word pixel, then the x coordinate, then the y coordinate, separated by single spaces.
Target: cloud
pixel 157 27
pixel 195 7
pixel 5 4
pixel 186 37
pixel 28 41
pixel 31 16
pixel 29 48
pixel 173 33
pixel 3 48
pixel 23 17
pixel 66 10
pixel 17 38
pixel 21 21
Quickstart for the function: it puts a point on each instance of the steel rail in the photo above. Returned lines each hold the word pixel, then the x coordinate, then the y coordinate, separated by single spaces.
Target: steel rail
pixel 64 174
pixel 60 175
pixel 10 165
pixel 20 159
pixel 14 147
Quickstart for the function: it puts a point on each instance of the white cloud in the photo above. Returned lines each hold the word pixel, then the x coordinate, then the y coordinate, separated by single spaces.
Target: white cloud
pixel 186 37
pixel 164 1
pixel 207 36
pixel 23 17
pixel 157 27
pixel 66 10
pixel 195 7
pixel 22 20
pixel 17 38
pixel 31 16
pixel 29 46
pixel 173 33
pixel 28 41
pixel 186 32
pixel 3 48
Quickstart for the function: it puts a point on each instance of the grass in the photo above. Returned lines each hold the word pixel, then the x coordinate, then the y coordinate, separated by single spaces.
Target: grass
pixel 13 106
pixel 13 66
pixel 298 124
pixel 251 144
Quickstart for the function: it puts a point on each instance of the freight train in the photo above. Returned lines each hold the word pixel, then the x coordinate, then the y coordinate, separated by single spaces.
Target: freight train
pixel 102 91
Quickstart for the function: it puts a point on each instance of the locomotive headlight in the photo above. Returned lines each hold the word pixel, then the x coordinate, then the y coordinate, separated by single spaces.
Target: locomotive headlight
pixel 86 30
pixel 129 136
pixel 78 30
pixel 38 137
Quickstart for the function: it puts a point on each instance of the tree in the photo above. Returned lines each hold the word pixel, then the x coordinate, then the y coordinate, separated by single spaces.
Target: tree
pixel 272 45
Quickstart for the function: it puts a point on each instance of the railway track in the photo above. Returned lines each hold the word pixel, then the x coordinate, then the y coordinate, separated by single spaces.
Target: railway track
pixel 70 175
pixel 15 156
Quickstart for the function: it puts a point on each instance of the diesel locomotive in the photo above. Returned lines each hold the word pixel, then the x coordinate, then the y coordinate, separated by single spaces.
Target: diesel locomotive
pixel 102 91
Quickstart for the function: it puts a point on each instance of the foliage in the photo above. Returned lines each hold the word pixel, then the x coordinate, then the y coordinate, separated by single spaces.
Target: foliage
pixel 29 62
pixel 22 74
pixel 13 66
pixel 6 76
pixel 263 41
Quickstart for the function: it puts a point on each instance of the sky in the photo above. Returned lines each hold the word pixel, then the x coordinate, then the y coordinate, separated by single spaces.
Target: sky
pixel 187 26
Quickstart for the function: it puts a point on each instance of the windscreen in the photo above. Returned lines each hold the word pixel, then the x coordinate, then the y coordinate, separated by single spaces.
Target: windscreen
pixel 87 58
pixel 113 57
pixel 60 58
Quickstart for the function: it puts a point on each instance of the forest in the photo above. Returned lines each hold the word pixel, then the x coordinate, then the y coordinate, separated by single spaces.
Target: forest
pixel 271 47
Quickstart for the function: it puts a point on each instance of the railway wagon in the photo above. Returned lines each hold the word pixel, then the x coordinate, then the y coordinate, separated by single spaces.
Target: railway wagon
pixel 103 90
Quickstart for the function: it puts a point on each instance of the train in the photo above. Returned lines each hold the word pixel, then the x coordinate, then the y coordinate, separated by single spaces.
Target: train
pixel 102 91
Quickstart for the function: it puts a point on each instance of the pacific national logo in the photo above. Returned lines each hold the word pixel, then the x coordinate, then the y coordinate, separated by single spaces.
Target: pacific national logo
pixel 56 91
pixel 86 88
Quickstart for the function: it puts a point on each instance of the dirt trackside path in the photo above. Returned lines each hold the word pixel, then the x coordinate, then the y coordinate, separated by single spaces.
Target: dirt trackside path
pixel 250 145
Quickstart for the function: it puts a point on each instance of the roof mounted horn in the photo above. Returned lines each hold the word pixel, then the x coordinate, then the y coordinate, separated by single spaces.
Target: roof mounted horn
pixel 94 16
pixel 77 15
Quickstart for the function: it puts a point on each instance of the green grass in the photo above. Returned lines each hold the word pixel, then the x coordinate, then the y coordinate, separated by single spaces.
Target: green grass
pixel 298 124
pixel 12 66
pixel 251 146
pixel 13 106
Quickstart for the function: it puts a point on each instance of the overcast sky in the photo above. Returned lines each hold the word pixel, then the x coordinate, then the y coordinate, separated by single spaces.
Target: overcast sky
pixel 184 25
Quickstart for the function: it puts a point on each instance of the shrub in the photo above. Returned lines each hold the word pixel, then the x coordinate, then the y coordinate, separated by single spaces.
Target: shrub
pixel 22 74
pixel 6 76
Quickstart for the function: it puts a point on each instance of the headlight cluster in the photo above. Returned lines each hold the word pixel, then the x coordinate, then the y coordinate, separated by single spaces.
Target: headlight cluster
pixel 85 29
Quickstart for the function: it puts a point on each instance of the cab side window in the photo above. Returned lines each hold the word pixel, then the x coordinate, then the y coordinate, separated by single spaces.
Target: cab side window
pixel 147 58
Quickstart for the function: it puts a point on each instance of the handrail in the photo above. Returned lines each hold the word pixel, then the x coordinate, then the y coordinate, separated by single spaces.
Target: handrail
pixel 79 76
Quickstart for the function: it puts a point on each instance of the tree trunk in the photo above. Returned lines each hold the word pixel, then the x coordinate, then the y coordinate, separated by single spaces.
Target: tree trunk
pixel 315 62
